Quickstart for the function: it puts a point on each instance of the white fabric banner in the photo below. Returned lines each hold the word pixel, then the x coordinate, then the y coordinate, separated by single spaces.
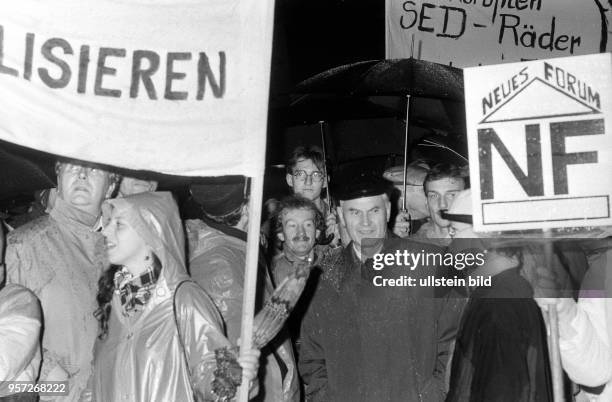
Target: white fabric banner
pixel 178 87
pixel 467 33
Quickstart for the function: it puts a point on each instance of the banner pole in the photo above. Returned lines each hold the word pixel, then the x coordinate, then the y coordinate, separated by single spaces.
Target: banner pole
pixel 250 276
pixel 553 336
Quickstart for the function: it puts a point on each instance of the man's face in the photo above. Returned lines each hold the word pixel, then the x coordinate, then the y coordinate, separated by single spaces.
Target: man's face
pixel 366 218
pixel 440 194
pixel 83 187
pixel 131 185
pixel 299 231
pixel 307 186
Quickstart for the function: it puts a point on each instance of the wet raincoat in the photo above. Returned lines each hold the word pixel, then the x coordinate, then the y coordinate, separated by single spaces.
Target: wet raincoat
pixel 141 360
pixel 217 257
pixel 20 324
pixel 60 257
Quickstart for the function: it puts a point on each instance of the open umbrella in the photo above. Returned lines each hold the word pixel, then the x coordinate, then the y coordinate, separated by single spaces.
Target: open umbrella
pixel 389 77
pixel 35 172
pixel 405 77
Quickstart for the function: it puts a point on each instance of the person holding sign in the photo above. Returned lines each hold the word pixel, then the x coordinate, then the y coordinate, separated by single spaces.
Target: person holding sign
pixel 501 349
pixel 585 336
pixel 59 257
pixel 161 337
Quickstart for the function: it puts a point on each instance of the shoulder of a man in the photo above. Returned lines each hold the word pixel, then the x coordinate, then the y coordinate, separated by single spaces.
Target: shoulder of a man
pixel 334 265
pixel 32 230
pixel 23 253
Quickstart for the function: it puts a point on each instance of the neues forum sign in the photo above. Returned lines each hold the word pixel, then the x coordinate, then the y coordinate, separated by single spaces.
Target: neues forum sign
pixel 540 143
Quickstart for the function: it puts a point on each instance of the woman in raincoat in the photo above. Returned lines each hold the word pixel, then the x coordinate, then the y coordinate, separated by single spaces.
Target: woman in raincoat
pixel 153 345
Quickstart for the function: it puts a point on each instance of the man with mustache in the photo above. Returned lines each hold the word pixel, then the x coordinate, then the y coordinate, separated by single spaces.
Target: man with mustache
pixel 298 225
pixel 362 341
pixel 60 257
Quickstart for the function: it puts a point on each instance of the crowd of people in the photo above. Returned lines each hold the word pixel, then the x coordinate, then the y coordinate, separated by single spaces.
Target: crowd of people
pixel 112 292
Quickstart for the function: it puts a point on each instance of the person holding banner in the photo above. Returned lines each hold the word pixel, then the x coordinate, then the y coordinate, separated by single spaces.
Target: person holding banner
pixel 501 350
pixel 585 336
pixel 59 257
pixel 217 260
pixel 161 337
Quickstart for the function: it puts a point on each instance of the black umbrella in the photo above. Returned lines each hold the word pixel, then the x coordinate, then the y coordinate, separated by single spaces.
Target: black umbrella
pixel 21 172
pixel 389 77
pixel 407 77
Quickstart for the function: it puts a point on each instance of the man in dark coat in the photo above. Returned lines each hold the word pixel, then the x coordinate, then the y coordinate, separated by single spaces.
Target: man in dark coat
pixel 501 352
pixel 365 342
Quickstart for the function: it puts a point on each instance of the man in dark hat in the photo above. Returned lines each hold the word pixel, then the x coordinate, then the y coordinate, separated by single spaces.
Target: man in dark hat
pixel 364 337
pixel 217 261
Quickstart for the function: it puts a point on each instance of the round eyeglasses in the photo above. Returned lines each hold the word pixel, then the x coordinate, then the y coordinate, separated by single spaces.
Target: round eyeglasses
pixel 301 175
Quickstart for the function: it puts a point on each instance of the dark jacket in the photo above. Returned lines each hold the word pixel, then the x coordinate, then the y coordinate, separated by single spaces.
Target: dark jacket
pixel 501 350
pixel 366 343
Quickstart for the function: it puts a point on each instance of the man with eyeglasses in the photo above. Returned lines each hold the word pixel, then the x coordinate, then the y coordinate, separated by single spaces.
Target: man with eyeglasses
pixel 306 177
pixel 60 257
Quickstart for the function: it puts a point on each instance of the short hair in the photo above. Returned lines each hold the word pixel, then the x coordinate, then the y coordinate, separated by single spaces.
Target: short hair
pixel 114 177
pixel 311 152
pixel 294 202
pixel 444 170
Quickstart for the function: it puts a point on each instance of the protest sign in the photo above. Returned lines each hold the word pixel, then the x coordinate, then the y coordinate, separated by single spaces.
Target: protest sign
pixel 540 143
pixel 178 87
pixel 468 33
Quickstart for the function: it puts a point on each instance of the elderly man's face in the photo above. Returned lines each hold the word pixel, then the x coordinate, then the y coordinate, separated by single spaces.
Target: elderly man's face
pixel 366 218
pixel 440 194
pixel 84 187
pixel 132 185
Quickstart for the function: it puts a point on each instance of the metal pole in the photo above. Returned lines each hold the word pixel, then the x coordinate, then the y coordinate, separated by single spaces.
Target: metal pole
pixel 553 336
pixel 406 152
pixel 329 199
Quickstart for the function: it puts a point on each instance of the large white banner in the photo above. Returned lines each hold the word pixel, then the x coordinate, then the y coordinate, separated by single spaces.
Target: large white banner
pixel 469 33
pixel 175 86
pixel 540 143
